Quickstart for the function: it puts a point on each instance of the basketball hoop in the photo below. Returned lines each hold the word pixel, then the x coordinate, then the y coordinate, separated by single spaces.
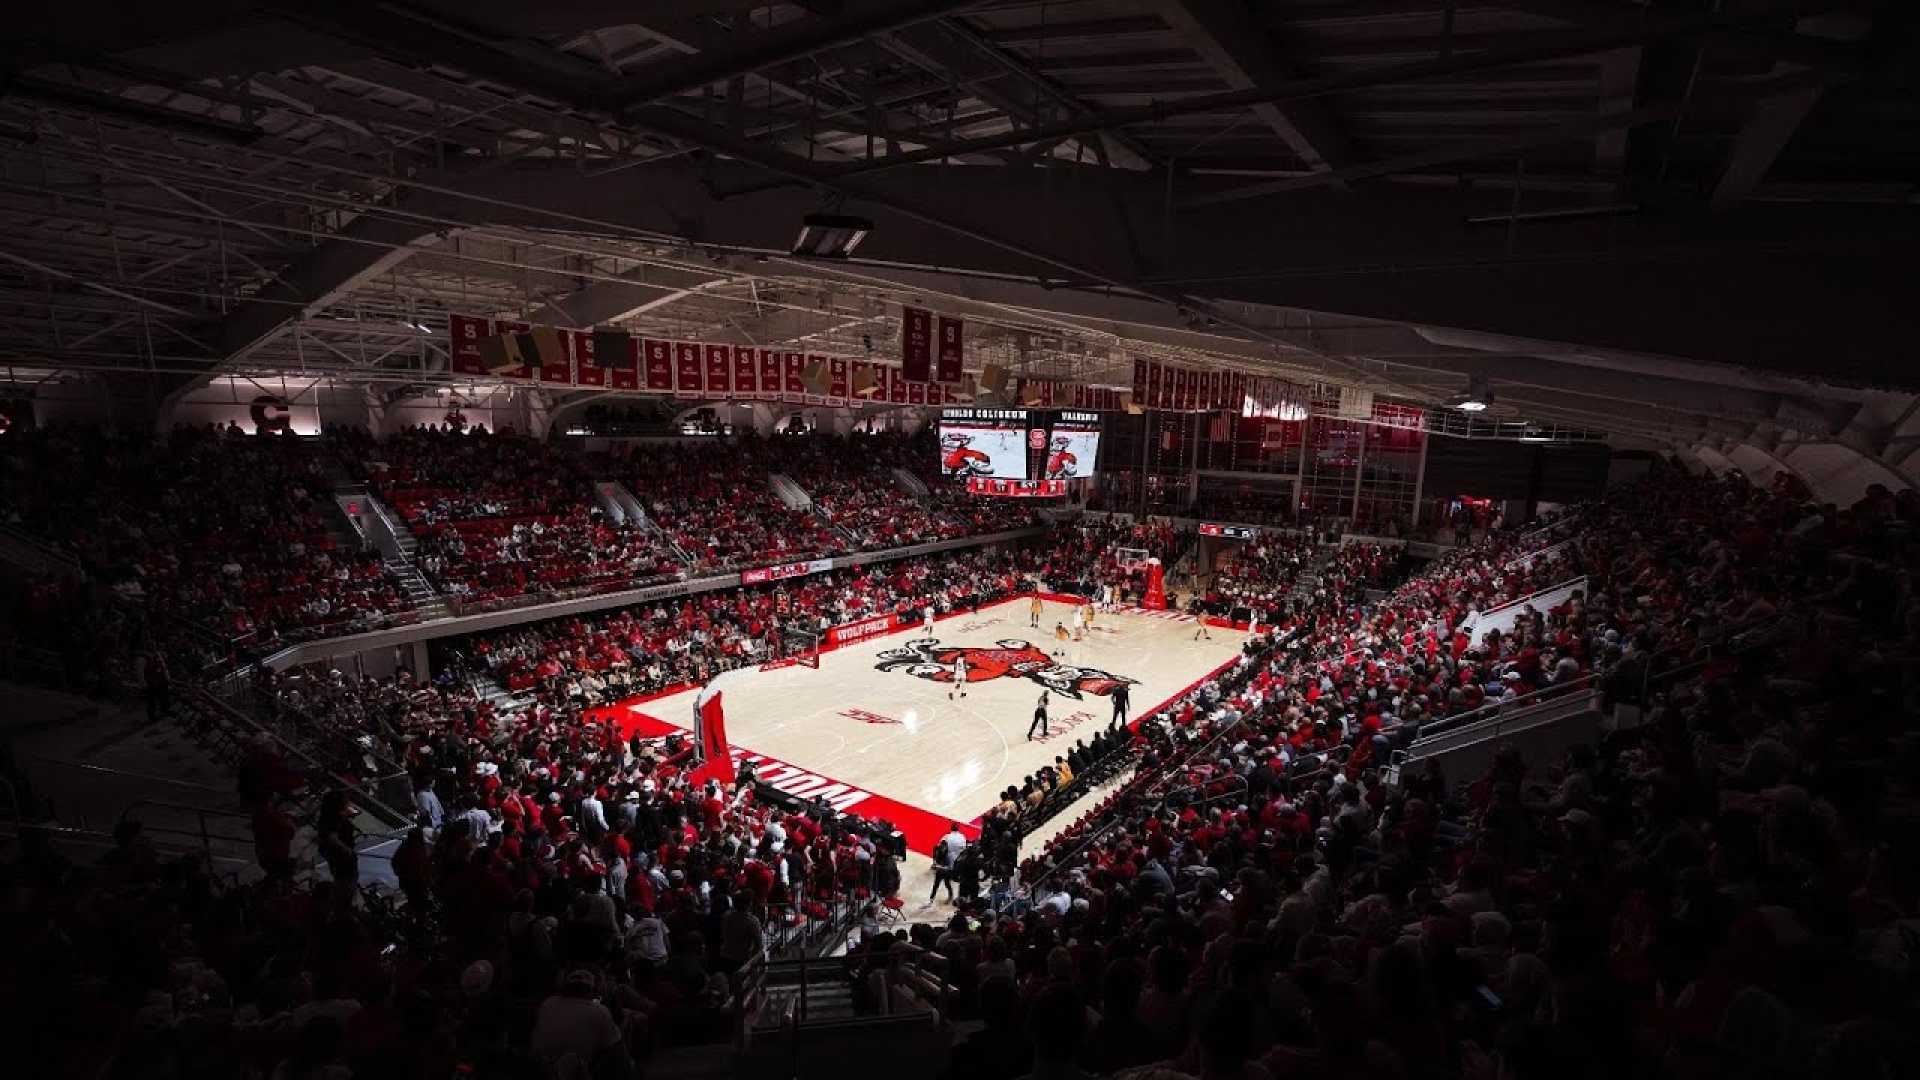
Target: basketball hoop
pixel 808 652
pixel 1130 559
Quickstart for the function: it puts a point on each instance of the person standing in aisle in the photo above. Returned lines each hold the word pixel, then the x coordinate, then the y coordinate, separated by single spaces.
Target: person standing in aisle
pixel 1039 718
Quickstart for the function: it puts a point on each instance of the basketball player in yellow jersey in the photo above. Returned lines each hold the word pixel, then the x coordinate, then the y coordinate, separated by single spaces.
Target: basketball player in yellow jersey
pixel 1033 612
pixel 1061 636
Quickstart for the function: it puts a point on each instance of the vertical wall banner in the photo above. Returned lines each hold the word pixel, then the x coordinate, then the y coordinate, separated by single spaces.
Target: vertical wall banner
pixel 586 361
pixel 466 332
pixel 951 349
pixel 916 393
pixel 659 364
pixel 837 390
pixel 897 386
pixel 719 369
pixel 505 326
pixel 773 377
pixel 882 383
pixel 688 370
pixel 746 372
pixel 916 343
pixel 794 386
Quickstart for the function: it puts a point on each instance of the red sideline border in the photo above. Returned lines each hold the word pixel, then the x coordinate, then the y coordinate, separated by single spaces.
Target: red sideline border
pixel 922 828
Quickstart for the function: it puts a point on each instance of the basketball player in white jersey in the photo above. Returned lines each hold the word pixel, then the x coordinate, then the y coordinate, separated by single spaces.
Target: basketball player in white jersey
pixel 927 614
pixel 959 678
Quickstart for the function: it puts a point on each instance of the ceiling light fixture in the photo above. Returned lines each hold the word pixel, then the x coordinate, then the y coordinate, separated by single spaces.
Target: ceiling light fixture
pixel 1475 399
pixel 831 236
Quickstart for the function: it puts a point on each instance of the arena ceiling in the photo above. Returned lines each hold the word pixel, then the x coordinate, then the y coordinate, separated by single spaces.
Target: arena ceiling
pixel 1679 221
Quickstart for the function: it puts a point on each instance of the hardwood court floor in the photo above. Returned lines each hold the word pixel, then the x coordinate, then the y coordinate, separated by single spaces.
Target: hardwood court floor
pixel 875 722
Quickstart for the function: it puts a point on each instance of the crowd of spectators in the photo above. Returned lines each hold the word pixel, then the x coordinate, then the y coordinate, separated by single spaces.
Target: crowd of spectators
pixel 231 531
pixel 713 497
pixel 1726 888
pixel 1259 573
pixel 501 516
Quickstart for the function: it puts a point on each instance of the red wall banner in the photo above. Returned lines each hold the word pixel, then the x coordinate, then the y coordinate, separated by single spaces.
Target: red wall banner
pixel 466 332
pixel 659 357
pixel 719 369
pixel 746 372
pixel 951 353
pixel 916 343
pixel 586 362
pixel 687 370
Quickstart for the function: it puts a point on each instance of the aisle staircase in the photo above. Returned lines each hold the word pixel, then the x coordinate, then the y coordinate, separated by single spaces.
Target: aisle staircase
pixel 791 494
pixel 397 545
pixel 905 478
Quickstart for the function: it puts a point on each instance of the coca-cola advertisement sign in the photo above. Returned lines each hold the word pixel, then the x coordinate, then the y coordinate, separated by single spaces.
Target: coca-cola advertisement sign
pixel 789 570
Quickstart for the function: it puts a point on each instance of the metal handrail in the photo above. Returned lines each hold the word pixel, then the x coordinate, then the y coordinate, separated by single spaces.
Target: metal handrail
pixel 1496 709
pixel 1480 616
pixel 130 774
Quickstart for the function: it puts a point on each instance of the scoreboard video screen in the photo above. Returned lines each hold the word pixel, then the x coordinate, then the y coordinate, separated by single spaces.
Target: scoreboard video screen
pixel 984 443
pixel 1073 445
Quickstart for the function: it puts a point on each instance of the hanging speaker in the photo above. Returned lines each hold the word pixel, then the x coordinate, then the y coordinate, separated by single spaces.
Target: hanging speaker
pixel 500 353
pixel 993 380
pixel 612 348
pixel 815 377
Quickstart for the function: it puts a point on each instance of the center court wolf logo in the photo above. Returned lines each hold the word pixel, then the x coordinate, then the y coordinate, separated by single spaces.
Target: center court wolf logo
pixel 927 659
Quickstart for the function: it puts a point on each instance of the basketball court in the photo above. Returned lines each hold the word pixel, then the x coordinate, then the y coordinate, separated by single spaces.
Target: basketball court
pixel 880 730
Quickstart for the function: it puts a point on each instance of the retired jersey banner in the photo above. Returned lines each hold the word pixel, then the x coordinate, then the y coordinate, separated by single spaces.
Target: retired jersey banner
pixel 586 361
pixel 896 386
pixel 689 370
pixel 916 393
pixel 837 390
pixel 949 351
pixel 746 372
pixel 719 369
pixel 794 365
pixel 773 379
pixel 466 331
pixel 659 364
pixel 916 343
